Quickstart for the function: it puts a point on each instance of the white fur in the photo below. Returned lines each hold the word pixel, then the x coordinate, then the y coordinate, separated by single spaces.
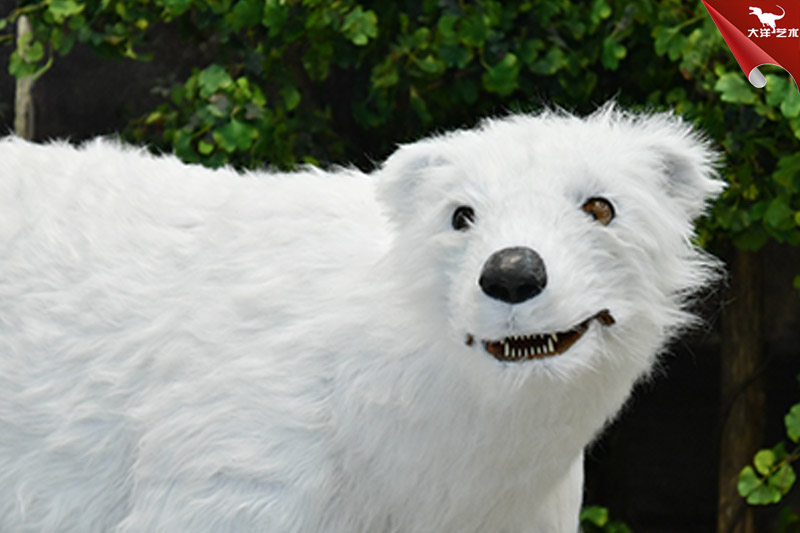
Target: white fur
pixel 184 349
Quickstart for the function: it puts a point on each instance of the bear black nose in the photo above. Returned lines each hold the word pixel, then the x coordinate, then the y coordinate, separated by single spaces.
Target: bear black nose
pixel 513 275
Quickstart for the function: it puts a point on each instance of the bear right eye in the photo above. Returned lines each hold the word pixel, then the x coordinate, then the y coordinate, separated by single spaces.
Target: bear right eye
pixel 601 209
pixel 463 217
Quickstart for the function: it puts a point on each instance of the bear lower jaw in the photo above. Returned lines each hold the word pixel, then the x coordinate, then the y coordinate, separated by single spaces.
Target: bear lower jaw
pixel 539 346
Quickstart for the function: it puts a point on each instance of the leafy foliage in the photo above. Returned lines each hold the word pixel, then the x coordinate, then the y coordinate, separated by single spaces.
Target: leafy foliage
pixel 772 475
pixel 595 519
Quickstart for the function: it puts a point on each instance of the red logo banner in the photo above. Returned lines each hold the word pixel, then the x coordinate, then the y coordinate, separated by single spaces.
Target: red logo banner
pixel 760 33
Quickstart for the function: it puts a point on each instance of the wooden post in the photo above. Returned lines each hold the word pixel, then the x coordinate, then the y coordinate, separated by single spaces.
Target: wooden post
pixel 23 102
pixel 742 392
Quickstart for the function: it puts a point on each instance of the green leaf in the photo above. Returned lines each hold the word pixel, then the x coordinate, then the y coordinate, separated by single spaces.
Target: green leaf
pixel 419 106
pixel 748 481
pixel 783 478
pixel 613 52
pixel 553 61
pixel 213 78
pixel 473 31
pixel 34 52
pixel 243 86
pixel 758 492
pixel 258 99
pixel 317 60
pixel 600 10
pixel 154 117
pixel 219 106
pixel 182 143
pixel 764 460
pixel 734 89
pixel 246 13
pixel 758 210
pixel 420 38
pixel 235 135
pixel 663 35
pixel 431 65
pixel 291 97
pixel 790 106
pixel 277 15
pixel 792 418
pixel 62 41
pixel 670 41
pixel 776 89
pixel 787 174
pixel 359 26
pixel 752 239
pixel 78 24
pixel 764 495
pixel 446 27
pixel 62 9
pixel 455 56
pixel 502 77
pixel 177 7
pixel 205 148
pixel 796 284
pixel 779 214
pixel 595 515
pixel 780 452
pixel 20 68
pixel 677 46
pixel 530 49
pixel 385 74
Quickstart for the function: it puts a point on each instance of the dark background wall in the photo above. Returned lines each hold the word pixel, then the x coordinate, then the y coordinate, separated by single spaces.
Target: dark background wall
pixel 83 95
pixel 655 467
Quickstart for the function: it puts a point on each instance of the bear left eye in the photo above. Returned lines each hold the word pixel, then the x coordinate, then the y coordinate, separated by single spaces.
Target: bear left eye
pixel 463 217
pixel 601 209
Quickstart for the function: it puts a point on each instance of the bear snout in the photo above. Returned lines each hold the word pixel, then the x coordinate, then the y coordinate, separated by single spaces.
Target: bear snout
pixel 513 275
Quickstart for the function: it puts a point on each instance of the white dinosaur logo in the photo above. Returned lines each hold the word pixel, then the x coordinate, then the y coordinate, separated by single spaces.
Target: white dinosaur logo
pixel 767 19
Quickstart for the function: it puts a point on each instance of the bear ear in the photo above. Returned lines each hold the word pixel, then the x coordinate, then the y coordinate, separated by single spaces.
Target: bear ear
pixel 403 175
pixel 688 164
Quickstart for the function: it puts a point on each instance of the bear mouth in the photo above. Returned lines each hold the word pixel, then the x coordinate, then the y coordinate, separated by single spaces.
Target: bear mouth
pixel 542 345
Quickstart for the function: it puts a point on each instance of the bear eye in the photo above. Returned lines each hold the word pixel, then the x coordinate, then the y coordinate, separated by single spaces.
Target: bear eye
pixel 463 217
pixel 600 208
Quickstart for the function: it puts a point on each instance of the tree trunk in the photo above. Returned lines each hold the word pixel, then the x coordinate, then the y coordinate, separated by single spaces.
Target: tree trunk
pixel 743 399
pixel 23 102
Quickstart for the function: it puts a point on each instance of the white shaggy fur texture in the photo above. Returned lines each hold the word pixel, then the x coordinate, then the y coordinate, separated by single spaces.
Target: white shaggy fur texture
pixel 194 350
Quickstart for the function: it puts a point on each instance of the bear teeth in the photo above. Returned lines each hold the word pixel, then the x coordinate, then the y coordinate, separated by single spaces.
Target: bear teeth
pixel 541 345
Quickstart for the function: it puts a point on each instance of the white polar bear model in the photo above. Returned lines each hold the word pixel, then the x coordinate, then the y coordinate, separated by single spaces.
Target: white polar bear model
pixel 425 349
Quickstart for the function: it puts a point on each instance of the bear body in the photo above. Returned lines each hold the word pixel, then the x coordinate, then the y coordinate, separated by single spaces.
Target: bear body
pixel 186 349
